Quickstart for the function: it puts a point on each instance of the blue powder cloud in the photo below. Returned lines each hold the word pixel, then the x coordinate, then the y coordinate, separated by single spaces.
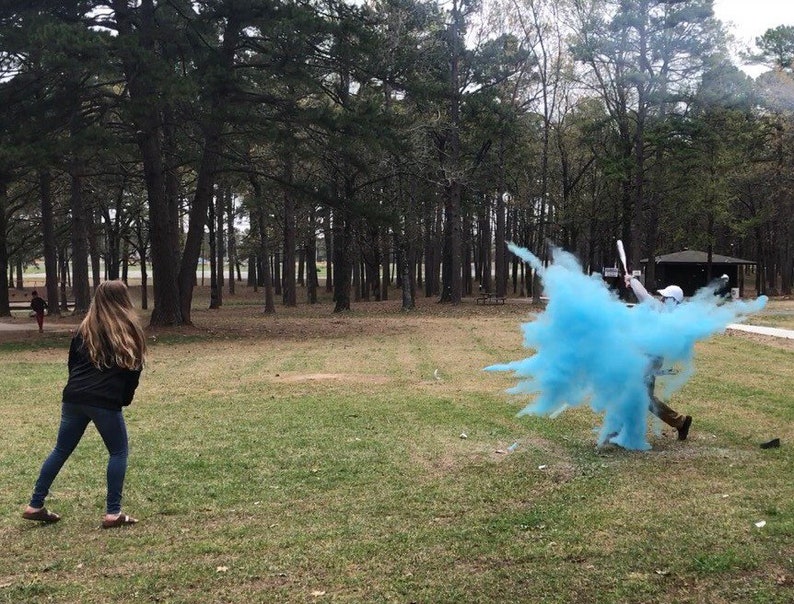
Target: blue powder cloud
pixel 592 348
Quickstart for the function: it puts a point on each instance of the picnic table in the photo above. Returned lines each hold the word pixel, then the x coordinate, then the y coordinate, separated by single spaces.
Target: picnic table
pixel 489 298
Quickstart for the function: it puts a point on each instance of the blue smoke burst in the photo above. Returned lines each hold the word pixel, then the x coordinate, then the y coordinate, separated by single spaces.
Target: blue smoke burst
pixel 591 347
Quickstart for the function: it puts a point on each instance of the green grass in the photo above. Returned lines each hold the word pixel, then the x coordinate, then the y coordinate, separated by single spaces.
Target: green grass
pixel 308 457
pixel 778 313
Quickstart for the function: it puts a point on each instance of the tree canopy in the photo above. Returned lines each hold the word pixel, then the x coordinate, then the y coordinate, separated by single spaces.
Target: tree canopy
pixel 403 140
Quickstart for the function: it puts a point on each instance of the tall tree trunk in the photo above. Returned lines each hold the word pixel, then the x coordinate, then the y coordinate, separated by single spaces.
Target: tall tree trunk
pixel 406 269
pixel 451 278
pixel 485 247
pixel 373 262
pixel 385 265
pixel 137 31
pixel 220 246
pixel 356 279
pixel 231 240
pixel 207 169
pixel 113 261
pixel 300 278
pixel 466 257
pixel 429 241
pixel 93 248
pixel 276 272
pixel 312 282
pixel 5 308
pixel 202 198
pixel 289 295
pixel 342 233
pixel 259 214
pixel 252 280
pixel 80 287
pixel 124 263
pixel 140 245
pixel 500 240
pixel 214 267
pixel 267 278
pixel 48 237
pixel 20 280
pixel 328 236
pixel 164 255
pixel 300 259
pixel 144 278
pixel 63 267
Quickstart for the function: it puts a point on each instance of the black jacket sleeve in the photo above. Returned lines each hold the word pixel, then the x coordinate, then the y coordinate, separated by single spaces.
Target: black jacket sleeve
pixel 132 383
pixel 76 340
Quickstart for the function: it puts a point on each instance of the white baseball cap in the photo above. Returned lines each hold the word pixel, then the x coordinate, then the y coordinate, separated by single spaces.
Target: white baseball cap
pixel 672 291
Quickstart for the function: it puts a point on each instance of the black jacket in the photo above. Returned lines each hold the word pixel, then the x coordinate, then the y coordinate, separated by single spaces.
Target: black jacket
pixel 38 304
pixel 111 388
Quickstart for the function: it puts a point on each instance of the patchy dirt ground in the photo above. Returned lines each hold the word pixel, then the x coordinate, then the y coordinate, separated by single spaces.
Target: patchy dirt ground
pixel 242 316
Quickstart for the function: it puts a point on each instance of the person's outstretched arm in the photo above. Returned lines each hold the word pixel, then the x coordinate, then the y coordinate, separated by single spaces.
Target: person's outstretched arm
pixel 638 289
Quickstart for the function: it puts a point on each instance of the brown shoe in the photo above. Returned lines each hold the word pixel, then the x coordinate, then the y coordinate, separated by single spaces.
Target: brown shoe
pixel 120 520
pixel 683 431
pixel 41 515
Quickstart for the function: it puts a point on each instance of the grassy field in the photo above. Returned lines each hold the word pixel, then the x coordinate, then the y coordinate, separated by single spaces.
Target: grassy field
pixel 313 457
pixel 778 313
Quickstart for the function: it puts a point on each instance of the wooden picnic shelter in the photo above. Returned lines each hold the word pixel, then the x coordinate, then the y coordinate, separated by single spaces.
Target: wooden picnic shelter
pixel 688 270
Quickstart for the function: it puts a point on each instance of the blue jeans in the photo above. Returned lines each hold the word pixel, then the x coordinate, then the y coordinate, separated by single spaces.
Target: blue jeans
pixel 74 420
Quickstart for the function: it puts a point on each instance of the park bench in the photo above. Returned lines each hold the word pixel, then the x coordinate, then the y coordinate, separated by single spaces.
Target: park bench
pixel 19 305
pixel 25 304
pixel 489 298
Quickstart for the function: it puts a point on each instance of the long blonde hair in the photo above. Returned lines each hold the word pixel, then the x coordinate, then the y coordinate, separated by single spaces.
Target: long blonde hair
pixel 111 329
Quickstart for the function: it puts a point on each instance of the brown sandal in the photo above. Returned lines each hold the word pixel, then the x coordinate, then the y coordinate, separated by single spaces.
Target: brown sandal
pixel 41 515
pixel 120 520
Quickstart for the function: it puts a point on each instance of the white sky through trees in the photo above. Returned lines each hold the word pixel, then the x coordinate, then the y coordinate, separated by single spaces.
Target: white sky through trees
pixel 749 19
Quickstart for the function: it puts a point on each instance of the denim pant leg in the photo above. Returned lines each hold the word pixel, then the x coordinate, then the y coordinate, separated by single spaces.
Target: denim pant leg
pixel 73 424
pixel 113 430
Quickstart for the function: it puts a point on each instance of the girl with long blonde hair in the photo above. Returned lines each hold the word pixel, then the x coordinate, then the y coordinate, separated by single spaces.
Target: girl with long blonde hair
pixel 106 357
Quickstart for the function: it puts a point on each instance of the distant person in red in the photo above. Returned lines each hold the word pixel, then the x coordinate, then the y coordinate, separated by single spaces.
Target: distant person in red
pixel 38 305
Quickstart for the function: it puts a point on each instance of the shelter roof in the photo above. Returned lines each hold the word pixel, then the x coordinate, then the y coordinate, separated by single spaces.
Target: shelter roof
pixel 696 257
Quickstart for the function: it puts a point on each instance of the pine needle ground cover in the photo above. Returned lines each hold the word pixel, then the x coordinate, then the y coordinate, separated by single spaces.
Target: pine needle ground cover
pixel 366 457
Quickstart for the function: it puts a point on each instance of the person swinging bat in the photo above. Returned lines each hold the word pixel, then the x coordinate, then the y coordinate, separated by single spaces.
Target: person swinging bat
pixel 671 296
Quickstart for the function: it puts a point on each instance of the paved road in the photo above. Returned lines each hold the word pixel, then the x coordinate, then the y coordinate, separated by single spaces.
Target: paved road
pixel 33 327
pixel 764 331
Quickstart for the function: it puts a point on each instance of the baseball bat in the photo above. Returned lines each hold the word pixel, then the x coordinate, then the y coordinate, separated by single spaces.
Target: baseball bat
pixel 622 254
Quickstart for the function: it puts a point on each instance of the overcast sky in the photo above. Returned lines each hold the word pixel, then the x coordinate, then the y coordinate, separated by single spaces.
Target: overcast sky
pixel 749 19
